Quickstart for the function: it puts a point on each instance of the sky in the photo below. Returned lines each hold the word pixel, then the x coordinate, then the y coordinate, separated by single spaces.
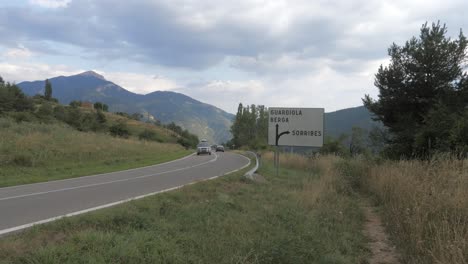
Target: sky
pixel 291 53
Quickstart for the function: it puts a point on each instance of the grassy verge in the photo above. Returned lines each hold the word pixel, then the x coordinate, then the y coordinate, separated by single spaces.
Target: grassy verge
pixel 305 215
pixel 33 152
pixel 424 205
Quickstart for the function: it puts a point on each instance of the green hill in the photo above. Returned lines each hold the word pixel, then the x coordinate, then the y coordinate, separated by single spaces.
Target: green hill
pixel 204 120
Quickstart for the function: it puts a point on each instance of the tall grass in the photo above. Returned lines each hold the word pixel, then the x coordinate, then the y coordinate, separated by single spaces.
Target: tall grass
pixel 425 207
pixel 33 152
pixel 299 216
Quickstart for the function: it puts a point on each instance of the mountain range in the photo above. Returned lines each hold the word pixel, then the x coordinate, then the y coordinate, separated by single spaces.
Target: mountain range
pixel 204 120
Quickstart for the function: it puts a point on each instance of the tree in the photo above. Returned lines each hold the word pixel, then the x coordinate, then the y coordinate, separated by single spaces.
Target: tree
pixel 48 90
pixel 75 103
pixel 119 130
pixel 423 74
pixel 13 99
pixel 335 146
pixel 101 106
pixel 358 144
pixel 250 127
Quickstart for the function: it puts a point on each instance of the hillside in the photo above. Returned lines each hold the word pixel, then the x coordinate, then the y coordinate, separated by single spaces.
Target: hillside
pixel 342 121
pixel 34 152
pixel 202 119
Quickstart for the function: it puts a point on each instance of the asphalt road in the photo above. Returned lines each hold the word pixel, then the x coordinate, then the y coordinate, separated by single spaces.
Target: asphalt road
pixel 25 205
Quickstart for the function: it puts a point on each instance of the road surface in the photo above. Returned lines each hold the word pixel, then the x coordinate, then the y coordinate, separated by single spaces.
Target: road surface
pixel 25 205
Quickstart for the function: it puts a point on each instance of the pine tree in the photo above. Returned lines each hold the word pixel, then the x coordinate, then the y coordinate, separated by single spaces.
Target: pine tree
pixel 426 72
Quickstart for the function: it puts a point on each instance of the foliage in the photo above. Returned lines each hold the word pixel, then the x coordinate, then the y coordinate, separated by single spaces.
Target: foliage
pixel 250 127
pixel 75 103
pixel 425 80
pixel 48 90
pixel 335 146
pixel 149 135
pixel 13 99
pixel 101 106
pixel 186 139
pixel 119 130
pixel 358 143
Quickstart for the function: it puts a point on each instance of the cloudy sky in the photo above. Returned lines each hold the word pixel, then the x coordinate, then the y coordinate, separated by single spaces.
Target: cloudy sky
pixel 298 53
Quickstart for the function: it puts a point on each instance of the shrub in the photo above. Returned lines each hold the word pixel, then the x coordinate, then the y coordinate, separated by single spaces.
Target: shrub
pixel 22 117
pixel 45 112
pixel 22 160
pixel 149 135
pixel 119 130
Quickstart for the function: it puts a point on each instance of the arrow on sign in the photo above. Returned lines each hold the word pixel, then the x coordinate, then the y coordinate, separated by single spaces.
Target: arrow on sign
pixel 282 133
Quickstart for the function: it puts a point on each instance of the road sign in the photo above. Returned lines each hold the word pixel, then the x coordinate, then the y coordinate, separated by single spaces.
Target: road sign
pixel 295 126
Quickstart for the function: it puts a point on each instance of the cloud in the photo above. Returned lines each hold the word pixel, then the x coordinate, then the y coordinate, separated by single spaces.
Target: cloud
pixel 297 52
pixel 18 53
pixel 27 71
pixel 50 3
pixel 199 35
pixel 140 83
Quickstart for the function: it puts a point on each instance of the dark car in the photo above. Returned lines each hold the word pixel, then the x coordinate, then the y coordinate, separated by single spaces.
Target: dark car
pixel 219 148
pixel 203 148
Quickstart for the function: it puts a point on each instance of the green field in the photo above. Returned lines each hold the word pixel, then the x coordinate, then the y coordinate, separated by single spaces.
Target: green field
pixel 305 215
pixel 34 152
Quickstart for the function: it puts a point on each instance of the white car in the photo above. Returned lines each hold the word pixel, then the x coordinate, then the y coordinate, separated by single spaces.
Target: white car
pixel 203 148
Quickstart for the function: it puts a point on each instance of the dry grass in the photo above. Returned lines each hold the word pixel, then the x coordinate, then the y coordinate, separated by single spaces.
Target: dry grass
pixel 33 152
pixel 425 205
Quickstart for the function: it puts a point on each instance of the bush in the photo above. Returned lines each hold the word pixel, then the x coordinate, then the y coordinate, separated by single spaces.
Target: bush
pixel 23 117
pixel 60 113
pixel 22 160
pixel 88 122
pixel 119 130
pixel 149 135
pixel 45 112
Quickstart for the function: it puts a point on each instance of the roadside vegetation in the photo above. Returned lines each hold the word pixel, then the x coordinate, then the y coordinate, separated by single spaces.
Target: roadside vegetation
pixel 308 214
pixel 424 204
pixel 42 140
pixel 35 152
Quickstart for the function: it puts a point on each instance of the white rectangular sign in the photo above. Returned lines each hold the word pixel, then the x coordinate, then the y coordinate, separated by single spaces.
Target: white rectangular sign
pixel 295 126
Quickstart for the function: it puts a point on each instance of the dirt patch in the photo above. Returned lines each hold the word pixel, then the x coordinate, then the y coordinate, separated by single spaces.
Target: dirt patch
pixel 382 250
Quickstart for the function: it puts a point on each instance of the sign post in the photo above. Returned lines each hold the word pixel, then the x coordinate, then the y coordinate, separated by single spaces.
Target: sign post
pixel 295 127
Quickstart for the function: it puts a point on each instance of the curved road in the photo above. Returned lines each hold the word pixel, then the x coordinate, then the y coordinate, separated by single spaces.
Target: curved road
pixel 25 205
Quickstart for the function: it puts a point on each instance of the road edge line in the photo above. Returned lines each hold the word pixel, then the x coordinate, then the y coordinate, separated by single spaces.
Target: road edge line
pixel 95 175
pixel 21 227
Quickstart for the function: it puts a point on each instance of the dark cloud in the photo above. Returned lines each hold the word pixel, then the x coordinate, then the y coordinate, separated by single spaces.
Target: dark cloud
pixel 183 34
pixel 155 33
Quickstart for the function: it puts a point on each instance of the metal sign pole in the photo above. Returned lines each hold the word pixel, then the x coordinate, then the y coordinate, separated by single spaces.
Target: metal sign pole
pixel 277 160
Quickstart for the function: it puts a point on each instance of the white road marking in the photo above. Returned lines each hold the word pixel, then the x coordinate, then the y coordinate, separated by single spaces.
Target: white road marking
pixel 17 228
pixel 108 182
pixel 95 175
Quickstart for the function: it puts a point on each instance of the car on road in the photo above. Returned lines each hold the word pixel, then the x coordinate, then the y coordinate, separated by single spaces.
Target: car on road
pixel 203 148
pixel 219 148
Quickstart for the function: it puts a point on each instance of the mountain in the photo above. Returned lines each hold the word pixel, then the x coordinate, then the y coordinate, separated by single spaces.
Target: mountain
pixel 202 119
pixel 342 121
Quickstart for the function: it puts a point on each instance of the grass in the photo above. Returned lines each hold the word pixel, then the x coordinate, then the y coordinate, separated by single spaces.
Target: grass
pixel 34 152
pixel 424 205
pixel 301 216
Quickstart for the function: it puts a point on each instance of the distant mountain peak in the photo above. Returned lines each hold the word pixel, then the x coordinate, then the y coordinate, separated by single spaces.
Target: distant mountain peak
pixel 92 74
